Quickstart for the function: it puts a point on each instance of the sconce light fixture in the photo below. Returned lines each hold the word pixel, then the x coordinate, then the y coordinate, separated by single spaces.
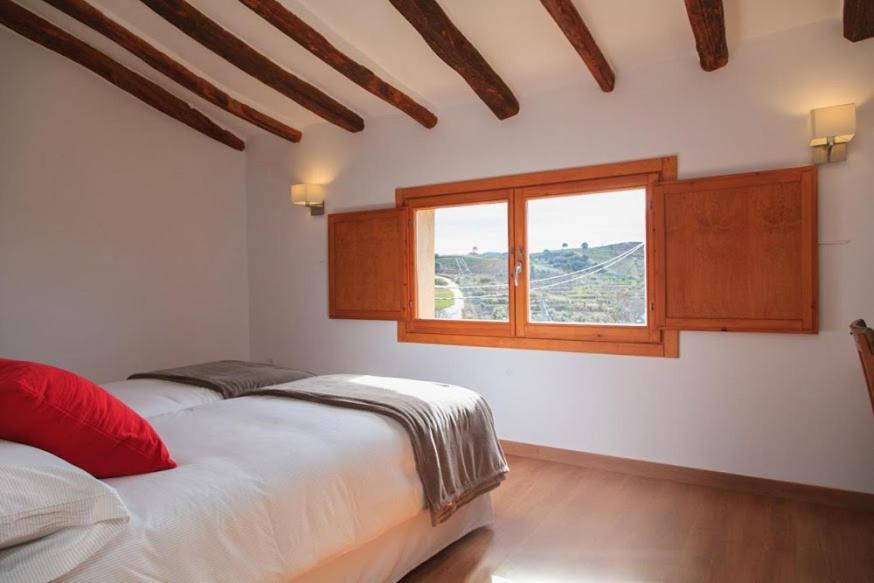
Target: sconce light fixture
pixel 309 195
pixel 833 127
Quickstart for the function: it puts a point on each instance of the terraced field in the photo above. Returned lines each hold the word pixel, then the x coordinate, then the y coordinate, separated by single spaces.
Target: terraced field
pixel 592 285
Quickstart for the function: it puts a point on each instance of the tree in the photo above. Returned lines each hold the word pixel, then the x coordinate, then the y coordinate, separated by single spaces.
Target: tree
pixel 564 245
pixel 475 250
pixel 584 245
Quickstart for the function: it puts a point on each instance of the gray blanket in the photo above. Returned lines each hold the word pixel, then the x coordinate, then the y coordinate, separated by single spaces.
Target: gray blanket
pixel 231 378
pixel 457 453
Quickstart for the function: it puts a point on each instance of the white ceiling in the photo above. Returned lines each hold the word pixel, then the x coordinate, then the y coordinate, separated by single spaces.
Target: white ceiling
pixel 517 37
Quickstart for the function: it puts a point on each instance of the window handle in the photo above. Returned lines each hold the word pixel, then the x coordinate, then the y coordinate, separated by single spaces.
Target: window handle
pixel 516 273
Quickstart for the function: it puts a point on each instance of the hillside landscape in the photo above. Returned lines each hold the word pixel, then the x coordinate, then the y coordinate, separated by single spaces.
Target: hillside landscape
pixel 598 285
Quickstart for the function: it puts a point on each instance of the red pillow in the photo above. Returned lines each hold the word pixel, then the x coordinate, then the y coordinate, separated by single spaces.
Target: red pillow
pixel 76 420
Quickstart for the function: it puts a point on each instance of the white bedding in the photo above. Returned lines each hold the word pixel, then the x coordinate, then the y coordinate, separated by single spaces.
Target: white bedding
pixel 150 397
pixel 266 489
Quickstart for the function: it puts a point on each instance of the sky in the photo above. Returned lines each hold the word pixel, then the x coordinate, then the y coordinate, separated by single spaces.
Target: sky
pixel 598 219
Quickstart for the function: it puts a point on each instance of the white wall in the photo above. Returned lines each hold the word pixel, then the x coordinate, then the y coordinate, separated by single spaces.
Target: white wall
pixel 780 406
pixel 122 231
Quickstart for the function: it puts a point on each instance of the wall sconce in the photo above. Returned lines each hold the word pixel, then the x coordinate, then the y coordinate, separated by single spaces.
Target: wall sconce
pixel 309 195
pixel 833 128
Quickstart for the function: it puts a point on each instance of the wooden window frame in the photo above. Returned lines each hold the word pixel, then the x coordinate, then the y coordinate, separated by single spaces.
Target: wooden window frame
pixel 474 327
pixel 649 340
pixel 624 333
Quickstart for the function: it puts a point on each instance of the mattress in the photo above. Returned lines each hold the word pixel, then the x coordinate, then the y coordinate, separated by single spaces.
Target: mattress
pixel 269 489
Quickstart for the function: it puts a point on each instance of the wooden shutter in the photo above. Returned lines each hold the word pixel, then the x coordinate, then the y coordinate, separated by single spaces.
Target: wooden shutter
pixel 366 264
pixel 739 252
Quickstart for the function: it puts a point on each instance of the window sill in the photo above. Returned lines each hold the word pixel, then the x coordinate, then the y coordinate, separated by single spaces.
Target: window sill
pixel 667 347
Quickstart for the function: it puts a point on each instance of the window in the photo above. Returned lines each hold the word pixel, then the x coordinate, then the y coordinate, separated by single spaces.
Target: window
pixel 586 258
pixel 615 258
pixel 558 265
pixel 461 266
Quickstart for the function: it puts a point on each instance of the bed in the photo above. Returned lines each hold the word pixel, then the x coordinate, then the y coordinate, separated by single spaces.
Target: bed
pixel 271 489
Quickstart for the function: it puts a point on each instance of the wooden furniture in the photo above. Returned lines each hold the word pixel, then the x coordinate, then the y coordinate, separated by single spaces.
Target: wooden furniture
pixel 724 253
pixel 864 337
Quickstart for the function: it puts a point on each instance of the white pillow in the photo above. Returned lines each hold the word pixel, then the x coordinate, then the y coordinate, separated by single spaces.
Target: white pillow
pixel 53 515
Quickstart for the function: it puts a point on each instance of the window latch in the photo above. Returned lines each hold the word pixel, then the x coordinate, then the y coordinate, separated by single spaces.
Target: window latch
pixel 516 273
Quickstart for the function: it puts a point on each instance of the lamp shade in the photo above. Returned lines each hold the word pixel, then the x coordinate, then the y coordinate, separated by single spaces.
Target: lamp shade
pixel 307 194
pixel 837 122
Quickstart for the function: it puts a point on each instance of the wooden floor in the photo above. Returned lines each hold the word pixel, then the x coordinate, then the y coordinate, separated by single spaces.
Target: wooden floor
pixel 558 523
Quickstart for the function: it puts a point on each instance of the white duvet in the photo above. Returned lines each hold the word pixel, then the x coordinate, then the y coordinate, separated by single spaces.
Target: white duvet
pixel 279 485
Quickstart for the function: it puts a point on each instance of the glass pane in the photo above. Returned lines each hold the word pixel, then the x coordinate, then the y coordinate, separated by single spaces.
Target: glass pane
pixel 587 258
pixel 461 262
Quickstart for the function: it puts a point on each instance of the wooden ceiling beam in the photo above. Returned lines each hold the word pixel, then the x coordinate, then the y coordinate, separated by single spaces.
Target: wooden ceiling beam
pixel 858 19
pixel 42 32
pixel 707 18
pixel 208 33
pixel 574 28
pixel 455 50
pixel 309 38
pixel 96 20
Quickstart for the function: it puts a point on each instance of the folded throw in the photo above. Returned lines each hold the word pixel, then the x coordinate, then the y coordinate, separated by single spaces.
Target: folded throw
pixel 458 456
pixel 231 378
